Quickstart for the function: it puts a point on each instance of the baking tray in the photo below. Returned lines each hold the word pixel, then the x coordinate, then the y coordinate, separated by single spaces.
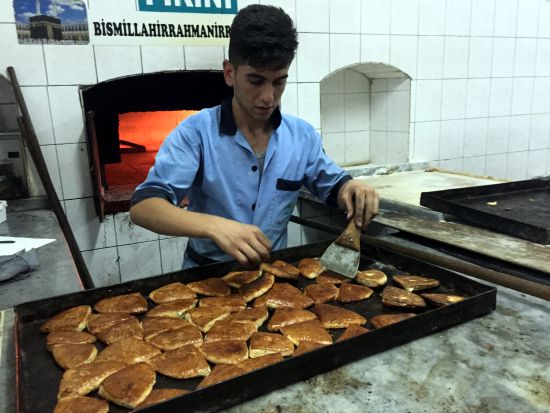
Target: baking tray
pixel 38 376
pixel 520 208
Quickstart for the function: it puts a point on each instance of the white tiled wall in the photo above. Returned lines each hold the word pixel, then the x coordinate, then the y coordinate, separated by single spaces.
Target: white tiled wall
pixel 479 98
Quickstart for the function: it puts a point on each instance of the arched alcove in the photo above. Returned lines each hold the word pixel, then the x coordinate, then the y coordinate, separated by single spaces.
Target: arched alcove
pixel 365 114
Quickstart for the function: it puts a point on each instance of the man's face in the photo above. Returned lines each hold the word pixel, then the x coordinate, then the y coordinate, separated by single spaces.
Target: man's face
pixel 257 91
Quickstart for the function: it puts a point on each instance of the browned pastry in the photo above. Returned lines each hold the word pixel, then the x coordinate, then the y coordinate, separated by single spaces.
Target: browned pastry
pixel 306 347
pixel 129 351
pixel 101 321
pixel 310 267
pixel 311 330
pixel 205 317
pixel 350 293
pixel 160 395
pixel 352 331
pixel 182 363
pixel 285 295
pixel 176 308
pixel 281 269
pixel 397 297
pixel 371 278
pixel 69 356
pixel 133 303
pixel 81 404
pixel 260 362
pixel 383 320
pixel 415 283
pixel 231 330
pixel 321 293
pixel 285 316
pixel 257 287
pixel 86 378
pixel 332 316
pixel 328 276
pixel 268 343
pixel 73 319
pixel 129 386
pixel 442 299
pixel 236 279
pixel 220 372
pixel 171 292
pixel 256 315
pixel 214 287
pixel 225 351
pixel 68 337
pixel 260 301
pixel 173 339
pixel 233 302
pixel 157 325
pixel 125 329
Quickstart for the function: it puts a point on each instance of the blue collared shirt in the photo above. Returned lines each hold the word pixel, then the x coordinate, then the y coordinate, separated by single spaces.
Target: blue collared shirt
pixel 208 159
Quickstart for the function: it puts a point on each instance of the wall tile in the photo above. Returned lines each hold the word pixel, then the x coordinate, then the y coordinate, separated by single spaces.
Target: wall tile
pixel 355 82
pixel 474 165
pixel 483 18
pixel 431 17
pixel 103 266
pixel 457 50
pixel 543 57
pixel 516 165
pixel 498 135
pixel 129 233
pixel 506 13
pixel 428 100
pixel 495 166
pixel 481 52
pixel 542 92
pixel 519 133
pixel 289 102
pixel 159 58
pixel 544 18
pixel 375 48
pixel 398 148
pixel 27 61
pixel 452 139
pixel 139 260
pixel 334 83
pixel 451 164
pixel 356 114
pixel 378 147
pixel 397 84
pixel 375 16
pixel 536 163
pixel 477 97
pixel 357 147
pixel 203 58
pixel 332 119
pixel 404 16
pixel 313 57
pixel 379 85
pixel 430 57
pixel 539 134
pixel 398 111
pixel 312 16
pixel 345 50
pixel 312 235
pixel 525 57
pixel 522 95
pixel 36 188
pixel 171 253
pixel 503 57
pixel 457 21
pixel 501 97
pixel 454 99
pixel 36 99
pixel 379 111
pixel 76 177
pixel 67 116
pixel 70 64
pixel 475 137
pixel 88 231
pixel 117 61
pixel 334 145
pixel 7 14
pixel 426 141
pixel 8 32
pixel 403 54
pixel 528 18
pixel 344 16
pixel 309 105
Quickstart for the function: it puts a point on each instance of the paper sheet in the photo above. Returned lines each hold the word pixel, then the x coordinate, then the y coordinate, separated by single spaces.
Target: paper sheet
pixel 21 244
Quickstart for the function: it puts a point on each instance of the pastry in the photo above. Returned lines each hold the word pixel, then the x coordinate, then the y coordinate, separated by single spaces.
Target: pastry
pixel 350 293
pixel 285 316
pixel 397 297
pixel 133 303
pixel 171 292
pixel 371 278
pixel 214 287
pixel 182 363
pixel 129 386
pixel 73 319
pixel 321 293
pixel 332 316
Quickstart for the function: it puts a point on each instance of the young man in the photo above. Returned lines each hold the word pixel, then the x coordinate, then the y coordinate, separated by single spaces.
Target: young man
pixel 242 163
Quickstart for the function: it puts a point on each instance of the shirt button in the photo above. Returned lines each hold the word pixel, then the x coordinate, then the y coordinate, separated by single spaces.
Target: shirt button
pixel 253 207
pixel 254 168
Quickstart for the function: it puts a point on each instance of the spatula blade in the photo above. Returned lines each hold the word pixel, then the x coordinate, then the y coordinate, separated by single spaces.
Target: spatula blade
pixel 341 260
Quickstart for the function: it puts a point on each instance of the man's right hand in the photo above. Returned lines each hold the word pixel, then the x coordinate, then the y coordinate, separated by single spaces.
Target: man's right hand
pixel 246 243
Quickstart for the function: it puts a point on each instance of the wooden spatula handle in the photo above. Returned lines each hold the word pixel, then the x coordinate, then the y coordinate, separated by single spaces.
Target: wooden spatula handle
pixel 350 237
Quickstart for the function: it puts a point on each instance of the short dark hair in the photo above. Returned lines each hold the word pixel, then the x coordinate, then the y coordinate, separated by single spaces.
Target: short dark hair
pixel 263 37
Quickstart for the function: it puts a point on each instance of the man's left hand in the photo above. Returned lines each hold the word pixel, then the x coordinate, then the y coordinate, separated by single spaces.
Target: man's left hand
pixel 359 201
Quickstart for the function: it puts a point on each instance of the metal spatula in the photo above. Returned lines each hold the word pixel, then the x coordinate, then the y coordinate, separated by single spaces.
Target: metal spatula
pixel 342 256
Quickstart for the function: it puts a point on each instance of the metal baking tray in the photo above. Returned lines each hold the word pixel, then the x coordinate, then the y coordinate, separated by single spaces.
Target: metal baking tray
pixel 38 376
pixel 520 208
